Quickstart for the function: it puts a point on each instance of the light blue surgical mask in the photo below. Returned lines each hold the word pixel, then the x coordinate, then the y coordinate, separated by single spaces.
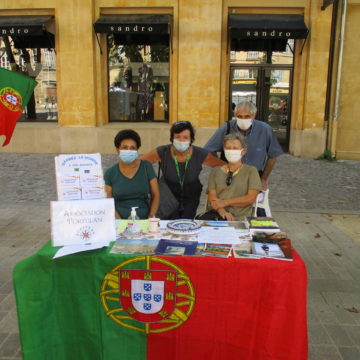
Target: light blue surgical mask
pixel 181 145
pixel 128 156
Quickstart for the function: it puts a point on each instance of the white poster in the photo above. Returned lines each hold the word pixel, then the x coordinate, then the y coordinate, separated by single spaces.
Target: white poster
pixel 79 177
pixel 82 222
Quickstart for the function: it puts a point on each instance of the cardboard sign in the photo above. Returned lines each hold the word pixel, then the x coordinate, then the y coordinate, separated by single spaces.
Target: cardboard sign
pixel 82 222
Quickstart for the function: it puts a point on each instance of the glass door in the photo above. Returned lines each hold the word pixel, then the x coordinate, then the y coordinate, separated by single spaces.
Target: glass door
pixel 269 87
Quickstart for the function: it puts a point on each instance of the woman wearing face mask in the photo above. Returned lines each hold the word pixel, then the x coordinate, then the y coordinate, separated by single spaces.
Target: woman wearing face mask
pixel 233 187
pixel 131 180
pixel 183 162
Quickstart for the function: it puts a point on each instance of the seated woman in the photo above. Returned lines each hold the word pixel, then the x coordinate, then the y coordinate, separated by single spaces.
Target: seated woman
pixel 181 163
pixel 131 180
pixel 233 187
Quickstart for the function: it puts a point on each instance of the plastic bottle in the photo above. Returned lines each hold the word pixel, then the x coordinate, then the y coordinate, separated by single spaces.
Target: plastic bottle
pixel 134 228
pixel 133 216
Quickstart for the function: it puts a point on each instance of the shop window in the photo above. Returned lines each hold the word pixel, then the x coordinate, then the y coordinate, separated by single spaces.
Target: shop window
pixel 138 58
pixel 138 82
pixel 27 45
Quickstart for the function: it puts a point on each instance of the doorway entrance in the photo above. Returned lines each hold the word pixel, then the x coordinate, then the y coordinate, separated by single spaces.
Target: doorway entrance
pixel 269 87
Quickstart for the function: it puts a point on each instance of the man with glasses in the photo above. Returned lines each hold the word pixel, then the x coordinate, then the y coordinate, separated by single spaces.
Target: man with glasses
pixel 262 145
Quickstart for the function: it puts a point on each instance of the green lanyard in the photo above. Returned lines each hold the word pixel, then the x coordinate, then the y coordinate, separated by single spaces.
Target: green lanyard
pixel 181 179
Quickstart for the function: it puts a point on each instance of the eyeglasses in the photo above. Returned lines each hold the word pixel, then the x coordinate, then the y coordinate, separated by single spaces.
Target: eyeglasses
pixel 229 178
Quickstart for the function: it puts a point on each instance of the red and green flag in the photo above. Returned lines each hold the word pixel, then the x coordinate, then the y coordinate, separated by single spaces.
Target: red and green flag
pixel 15 92
pixel 97 305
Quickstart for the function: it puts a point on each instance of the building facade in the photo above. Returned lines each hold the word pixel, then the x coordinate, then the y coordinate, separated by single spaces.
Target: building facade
pixel 106 65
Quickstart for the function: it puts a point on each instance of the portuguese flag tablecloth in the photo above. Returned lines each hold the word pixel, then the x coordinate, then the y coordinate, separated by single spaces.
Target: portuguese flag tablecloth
pixel 15 92
pixel 103 306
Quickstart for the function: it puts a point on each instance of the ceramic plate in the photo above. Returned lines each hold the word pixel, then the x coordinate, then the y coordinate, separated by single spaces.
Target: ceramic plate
pixel 183 227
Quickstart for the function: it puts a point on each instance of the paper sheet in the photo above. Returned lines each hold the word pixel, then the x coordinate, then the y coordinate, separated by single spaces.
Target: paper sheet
pixel 73 249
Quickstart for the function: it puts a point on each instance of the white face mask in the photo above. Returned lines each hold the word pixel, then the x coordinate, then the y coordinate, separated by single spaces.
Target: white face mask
pixel 233 156
pixel 181 145
pixel 244 124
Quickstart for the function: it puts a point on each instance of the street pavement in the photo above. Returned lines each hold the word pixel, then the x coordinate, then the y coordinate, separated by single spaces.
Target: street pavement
pixel 315 201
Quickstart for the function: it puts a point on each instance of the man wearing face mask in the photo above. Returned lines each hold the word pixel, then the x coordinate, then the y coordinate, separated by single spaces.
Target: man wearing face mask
pixel 262 145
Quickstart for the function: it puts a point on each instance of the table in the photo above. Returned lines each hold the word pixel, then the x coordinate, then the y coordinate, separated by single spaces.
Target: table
pixel 69 308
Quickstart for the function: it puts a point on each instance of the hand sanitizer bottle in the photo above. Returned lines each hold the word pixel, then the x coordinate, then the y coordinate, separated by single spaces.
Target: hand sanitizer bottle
pixel 133 216
pixel 132 225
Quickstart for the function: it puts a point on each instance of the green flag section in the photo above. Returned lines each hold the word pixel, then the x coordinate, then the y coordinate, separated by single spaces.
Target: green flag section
pixel 102 306
pixel 15 92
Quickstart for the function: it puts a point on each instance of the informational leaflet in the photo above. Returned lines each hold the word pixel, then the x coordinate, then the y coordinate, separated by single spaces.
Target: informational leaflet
pixel 79 177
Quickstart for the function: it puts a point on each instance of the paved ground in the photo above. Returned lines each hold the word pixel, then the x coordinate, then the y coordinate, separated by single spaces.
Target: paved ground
pixel 316 202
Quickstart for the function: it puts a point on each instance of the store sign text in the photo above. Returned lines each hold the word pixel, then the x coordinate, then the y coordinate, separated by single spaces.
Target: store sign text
pixel 132 29
pixel 273 33
pixel 14 31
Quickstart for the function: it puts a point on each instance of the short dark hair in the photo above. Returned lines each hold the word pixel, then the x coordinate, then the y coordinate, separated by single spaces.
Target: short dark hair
pixel 127 134
pixel 180 126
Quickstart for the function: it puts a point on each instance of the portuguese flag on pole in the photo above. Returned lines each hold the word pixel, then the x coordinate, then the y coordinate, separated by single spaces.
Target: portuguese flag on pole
pixel 15 93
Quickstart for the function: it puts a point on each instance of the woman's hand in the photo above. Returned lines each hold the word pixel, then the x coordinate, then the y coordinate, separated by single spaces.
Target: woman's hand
pixel 217 204
pixel 226 215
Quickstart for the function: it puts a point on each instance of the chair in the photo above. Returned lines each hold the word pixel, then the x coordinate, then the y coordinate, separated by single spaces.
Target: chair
pixel 262 206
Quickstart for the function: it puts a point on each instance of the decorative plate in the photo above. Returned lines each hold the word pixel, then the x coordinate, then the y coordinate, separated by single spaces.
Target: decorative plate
pixel 183 227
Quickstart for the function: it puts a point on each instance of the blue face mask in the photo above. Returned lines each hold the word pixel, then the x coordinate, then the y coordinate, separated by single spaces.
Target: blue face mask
pixel 181 145
pixel 128 156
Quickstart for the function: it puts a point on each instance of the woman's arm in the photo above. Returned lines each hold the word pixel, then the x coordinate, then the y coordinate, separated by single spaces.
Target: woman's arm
pixel 151 156
pixel 212 196
pixel 244 200
pixel 213 161
pixel 155 197
pixel 108 190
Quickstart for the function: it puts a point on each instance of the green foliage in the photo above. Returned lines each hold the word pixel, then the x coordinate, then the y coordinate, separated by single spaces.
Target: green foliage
pixel 326 155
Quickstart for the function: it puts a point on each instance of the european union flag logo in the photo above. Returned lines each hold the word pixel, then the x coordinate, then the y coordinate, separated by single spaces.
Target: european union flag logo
pixel 147 306
pixel 137 296
pixel 147 287
pixel 157 298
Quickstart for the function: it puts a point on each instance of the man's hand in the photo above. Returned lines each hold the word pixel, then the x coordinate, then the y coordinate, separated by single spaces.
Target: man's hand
pixel 264 184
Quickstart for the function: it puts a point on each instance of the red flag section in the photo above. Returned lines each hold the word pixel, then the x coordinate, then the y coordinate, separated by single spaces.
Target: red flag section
pixel 15 92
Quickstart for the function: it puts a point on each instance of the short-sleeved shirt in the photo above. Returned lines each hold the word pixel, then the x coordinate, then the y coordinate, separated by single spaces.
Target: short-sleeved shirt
pixel 131 192
pixel 246 179
pixel 261 143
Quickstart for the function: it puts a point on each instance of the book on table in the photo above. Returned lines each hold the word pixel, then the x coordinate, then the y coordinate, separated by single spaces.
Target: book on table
pixel 176 247
pixel 263 224
pixel 280 251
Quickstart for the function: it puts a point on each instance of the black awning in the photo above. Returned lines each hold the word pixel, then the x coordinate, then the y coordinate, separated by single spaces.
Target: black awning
pixel 25 25
pixel 267 26
pixel 29 31
pixel 133 24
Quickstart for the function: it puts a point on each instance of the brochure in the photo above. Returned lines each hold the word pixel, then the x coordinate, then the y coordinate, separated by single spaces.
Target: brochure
pixel 134 246
pixel 176 247
pixel 217 250
pixel 79 177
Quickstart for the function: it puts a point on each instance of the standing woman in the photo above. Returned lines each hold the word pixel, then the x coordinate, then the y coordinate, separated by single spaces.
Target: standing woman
pixel 181 163
pixel 131 180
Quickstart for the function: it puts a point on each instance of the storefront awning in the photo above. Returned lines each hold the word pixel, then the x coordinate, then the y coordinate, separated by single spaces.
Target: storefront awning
pixel 29 31
pixel 133 24
pixel 265 31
